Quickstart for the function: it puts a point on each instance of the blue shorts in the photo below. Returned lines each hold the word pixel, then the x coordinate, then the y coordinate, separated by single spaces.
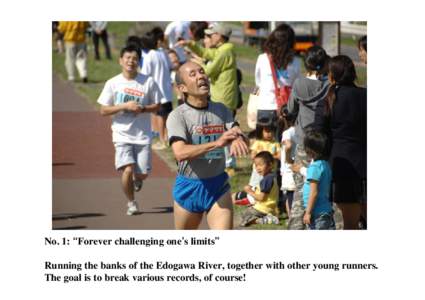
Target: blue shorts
pixel 199 195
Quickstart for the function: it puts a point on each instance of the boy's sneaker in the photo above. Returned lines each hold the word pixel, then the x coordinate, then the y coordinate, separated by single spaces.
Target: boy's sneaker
pixel 132 208
pixel 273 220
pixel 268 219
pixel 137 184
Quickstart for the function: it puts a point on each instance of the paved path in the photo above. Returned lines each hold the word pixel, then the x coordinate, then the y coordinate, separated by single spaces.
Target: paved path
pixel 86 190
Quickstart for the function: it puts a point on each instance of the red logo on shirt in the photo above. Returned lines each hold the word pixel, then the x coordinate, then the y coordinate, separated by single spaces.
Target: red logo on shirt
pixel 133 92
pixel 212 129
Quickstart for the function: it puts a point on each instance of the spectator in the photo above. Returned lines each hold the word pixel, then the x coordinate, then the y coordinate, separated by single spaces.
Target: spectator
pixel 175 65
pixel 343 116
pixel 362 46
pixel 288 146
pixel 57 37
pixel 175 31
pixel 318 208
pixel 157 65
pixel 221 68
pixel 99 31
pixel 278 52
pixel 265 142
pixel 306 93
pixel 266 194
pixel 75 48
pixel 197 29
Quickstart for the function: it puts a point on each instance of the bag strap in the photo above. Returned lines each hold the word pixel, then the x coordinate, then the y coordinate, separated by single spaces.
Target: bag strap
pixel 276 86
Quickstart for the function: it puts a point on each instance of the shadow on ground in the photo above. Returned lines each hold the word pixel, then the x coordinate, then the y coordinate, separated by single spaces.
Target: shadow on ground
pixel 66 216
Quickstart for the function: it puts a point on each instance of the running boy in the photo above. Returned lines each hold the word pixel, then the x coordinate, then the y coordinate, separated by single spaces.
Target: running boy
pixel 129 97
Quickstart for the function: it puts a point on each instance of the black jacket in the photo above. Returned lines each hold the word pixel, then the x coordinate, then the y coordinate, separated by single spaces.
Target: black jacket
pixel 347 129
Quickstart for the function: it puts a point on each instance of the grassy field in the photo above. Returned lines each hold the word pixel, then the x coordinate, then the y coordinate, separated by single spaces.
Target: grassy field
pixel 100 71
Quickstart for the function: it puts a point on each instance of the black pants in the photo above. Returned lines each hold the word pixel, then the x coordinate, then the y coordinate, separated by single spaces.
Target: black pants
pixel 104 37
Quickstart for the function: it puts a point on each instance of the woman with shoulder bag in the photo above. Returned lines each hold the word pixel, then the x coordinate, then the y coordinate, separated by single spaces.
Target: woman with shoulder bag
pixel 275 72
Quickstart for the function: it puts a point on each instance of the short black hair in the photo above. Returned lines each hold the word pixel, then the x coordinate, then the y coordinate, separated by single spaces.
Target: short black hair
pixel 133 40
pixel 266 156
pixel 316 59
pixel 158 34
pixel 259 129
pixel 317 143
pixel 148 41
pixel 131 48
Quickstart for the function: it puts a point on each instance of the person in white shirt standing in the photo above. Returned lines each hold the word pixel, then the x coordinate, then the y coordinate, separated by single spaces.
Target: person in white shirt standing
pixel 157 65
pixel 129 98
pixel 278 51
pixel 174 32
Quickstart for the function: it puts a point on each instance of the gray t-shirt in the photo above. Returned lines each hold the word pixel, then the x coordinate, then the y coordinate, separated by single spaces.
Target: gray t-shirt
pixel 199 126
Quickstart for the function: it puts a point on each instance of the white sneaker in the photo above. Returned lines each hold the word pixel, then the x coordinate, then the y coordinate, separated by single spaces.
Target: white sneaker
pixel 132 208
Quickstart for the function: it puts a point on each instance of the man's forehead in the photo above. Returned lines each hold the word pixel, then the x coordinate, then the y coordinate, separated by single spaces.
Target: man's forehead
pixel 191 66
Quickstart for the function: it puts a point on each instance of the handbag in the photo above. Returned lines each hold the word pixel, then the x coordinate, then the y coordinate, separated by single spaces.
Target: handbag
pixel 288 182
pixel 281 92
pixel 251 111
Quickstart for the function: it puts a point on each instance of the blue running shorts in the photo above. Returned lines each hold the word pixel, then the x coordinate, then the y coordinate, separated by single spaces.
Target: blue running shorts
pixel 199 195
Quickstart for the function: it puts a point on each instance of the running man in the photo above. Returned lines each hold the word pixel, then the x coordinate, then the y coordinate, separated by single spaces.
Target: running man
pixel 198 131
pixel 130 97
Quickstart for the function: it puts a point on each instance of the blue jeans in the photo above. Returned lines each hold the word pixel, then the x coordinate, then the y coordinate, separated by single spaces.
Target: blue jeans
pixel 322 221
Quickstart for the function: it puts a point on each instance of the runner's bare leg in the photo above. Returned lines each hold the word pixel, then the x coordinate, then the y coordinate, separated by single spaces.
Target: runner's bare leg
pixel 184 219
pixel 220 215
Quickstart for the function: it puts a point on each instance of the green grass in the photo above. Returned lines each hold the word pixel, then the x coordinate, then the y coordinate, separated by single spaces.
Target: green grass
pixel 361 75
pixel 246 52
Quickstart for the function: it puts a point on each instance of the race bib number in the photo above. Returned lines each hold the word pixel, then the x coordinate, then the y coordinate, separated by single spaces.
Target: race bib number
pixel 206 134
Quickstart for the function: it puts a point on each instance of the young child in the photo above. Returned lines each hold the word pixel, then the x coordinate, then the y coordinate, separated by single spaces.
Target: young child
pixel 265 142
pixel 289 144
pixel 318 209
pixel 266 194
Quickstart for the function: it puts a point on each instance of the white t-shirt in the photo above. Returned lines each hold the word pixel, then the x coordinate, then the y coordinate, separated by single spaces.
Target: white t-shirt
pixel 174 31
pixel 287 135
pixel 264 80
pixel 156 64
pixel 127 127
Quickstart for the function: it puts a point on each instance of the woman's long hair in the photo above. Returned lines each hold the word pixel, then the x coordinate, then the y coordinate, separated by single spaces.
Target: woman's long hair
pixel 280 44
pixel 343 72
